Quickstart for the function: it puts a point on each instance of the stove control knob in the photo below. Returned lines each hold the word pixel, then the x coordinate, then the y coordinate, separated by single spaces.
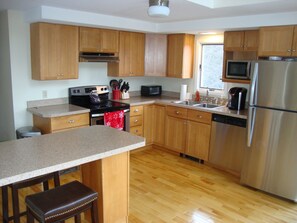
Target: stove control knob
pixel 102 89
pixel 105 89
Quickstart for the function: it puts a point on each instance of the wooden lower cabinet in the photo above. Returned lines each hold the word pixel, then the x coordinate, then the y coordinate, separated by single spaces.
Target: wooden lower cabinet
pixel 148 123
pixel 136 120
pixel 175 134
pixel 198 138
pixel 159 125
pixel 62 123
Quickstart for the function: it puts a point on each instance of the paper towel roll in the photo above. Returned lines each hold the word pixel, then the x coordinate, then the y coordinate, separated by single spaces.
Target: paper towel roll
pixel 183 92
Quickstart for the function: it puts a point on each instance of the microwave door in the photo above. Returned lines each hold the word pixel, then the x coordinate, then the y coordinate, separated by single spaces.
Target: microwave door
pixel 238 69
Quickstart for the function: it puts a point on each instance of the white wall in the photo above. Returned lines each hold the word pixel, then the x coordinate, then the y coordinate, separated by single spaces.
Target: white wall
pixel 6 105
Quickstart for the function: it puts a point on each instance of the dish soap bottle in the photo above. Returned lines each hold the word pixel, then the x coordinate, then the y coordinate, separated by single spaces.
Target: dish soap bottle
pixel 197 96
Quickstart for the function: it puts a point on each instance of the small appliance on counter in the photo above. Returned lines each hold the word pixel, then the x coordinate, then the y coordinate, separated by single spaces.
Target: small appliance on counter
pixel 237 96
pixel 151 90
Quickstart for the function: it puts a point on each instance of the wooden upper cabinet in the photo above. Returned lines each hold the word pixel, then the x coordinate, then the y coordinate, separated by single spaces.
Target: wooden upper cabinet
pixel 180 55
pixel 155 55
pixel 241 40
pixel 278 41
pixel 98 40
pixel 54 51
pixel 294 44
pixel 131 56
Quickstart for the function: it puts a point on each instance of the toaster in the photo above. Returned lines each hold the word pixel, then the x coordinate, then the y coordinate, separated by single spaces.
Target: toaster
pixel 151 90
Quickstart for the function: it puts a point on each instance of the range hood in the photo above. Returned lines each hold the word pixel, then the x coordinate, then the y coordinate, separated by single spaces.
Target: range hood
pixel 98 57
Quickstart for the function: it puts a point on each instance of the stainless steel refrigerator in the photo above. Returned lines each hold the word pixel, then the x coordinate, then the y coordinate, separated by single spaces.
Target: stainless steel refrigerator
pixel 270 162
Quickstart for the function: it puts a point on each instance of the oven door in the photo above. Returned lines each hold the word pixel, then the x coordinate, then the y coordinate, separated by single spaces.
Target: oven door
pixel 98 119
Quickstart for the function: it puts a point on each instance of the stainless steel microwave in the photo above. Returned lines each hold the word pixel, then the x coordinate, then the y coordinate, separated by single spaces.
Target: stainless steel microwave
pixel 238 69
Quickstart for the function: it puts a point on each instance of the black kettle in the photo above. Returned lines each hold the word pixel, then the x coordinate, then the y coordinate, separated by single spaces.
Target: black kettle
pixel 236 98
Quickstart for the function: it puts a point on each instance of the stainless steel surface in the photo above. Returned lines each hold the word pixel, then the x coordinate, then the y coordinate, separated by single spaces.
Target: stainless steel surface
pixel 270 161
pixel 196 104
pixel 206 105
pixel 227 146
pixel 275 86
pixel 270 164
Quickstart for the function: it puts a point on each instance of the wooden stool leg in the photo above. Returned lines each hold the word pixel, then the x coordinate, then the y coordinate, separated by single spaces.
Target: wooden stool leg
pixel 5 204
pixel 30 218
pixel 94 212
pixel 77 218
pixel 16 207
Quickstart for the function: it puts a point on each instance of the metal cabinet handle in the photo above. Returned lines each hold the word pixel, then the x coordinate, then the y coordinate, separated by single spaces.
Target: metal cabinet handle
pixel 199 116
pixel 294 50
pixel 135 120
pixel 136 110
pixel 71 121
pixel 177 112
pixel 289 50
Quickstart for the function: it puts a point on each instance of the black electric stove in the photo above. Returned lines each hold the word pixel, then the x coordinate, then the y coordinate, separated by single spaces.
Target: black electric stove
pixel 81 96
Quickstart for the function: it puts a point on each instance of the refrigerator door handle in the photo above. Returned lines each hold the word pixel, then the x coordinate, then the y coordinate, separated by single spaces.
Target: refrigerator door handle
pixel 251 125
pixel 254 85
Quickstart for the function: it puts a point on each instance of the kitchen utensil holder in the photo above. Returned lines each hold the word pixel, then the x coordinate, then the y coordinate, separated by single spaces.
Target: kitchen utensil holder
pixel 125 95
pixel 116 94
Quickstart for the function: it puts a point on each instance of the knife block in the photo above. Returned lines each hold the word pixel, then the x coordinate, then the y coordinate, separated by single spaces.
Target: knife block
pixel 125 95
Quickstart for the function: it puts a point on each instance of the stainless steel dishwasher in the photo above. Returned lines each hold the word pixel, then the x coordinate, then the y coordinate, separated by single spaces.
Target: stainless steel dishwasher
pixel 228 142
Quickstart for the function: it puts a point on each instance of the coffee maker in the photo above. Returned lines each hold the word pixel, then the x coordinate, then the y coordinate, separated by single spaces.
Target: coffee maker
pixel 236 98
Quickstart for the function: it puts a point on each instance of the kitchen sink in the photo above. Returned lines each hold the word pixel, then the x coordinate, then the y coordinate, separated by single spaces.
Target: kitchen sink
pixel 206 105
pixel 196 104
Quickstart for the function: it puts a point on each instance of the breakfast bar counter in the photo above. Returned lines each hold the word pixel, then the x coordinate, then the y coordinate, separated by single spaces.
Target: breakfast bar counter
pixel 102 152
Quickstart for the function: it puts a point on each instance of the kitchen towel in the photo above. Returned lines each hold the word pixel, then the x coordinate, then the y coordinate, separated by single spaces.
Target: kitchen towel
pixel 183 92
pixel 114 119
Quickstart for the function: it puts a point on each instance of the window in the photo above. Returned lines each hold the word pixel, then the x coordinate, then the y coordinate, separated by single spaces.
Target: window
pixel 211 66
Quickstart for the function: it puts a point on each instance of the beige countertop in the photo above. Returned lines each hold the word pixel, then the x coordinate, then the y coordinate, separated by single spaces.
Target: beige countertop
pixel 30 157
pixel 52 111
pixel 165 100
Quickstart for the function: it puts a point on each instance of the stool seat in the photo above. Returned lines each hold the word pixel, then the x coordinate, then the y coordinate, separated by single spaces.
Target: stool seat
pixel 61 202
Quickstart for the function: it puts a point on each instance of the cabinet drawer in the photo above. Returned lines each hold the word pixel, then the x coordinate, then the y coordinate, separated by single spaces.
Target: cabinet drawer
pixel 69 121
pixel 176 112
pixel 136 110
pixel 136 121
pixel 199 116
pixel 137 130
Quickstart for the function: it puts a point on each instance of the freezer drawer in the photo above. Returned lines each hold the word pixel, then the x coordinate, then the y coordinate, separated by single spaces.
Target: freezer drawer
pixel 228 142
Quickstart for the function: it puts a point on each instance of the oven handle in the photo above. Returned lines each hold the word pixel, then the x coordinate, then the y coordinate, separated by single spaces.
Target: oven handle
pixel 102 114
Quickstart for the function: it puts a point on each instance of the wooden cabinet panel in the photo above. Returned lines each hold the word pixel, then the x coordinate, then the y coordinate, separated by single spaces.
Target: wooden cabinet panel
pixel 54 51
pixel 131 55
pixel 276 41
pixel 199 116
pixel 56 124
pixel 180 55
pixel 177 112
pixel 136 110
pixel 137 130
pixel 241 40
pixel 233 40
pixel 294 44
pixel 175 134
pixel 155 55
pixel 198 138
pixel 135 120
pixel 98 40
pixel 159 125
pixel 148 123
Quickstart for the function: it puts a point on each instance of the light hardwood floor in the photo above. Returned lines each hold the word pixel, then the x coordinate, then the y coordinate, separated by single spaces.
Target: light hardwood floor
pixel 168 188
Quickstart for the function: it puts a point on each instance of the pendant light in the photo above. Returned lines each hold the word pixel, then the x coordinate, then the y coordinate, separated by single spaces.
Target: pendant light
pixel 158 8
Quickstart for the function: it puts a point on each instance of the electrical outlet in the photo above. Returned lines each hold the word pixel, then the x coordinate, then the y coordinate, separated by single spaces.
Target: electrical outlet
pixel 44 94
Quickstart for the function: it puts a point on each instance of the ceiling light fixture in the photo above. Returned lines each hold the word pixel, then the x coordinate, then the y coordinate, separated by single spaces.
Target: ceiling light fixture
pixel 158 8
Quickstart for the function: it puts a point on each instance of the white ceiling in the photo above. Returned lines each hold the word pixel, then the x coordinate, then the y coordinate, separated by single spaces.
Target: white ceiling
pixel 181 10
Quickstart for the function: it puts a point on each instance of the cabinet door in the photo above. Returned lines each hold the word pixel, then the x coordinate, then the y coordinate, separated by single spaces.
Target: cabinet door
pixel 155 55
pixel 136 54
pixel 125 55
pixel 89 39
pixel 159 125
pixel 54 51
pixel 175 134
pixel 198 138
pixel 148 123
pixel 276 41
pixel 109 41
pixel 294 44
pixel 251 40
pixel 233 41
pixel 68 42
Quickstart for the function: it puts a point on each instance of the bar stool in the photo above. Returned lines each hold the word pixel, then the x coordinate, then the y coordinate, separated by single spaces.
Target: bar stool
pixel 61 203
pixel 15 196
